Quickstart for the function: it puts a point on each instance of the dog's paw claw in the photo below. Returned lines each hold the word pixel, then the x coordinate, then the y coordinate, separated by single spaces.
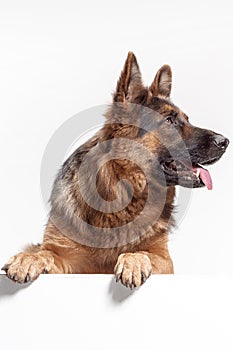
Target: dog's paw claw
pixel 14 277
pixel 27 278
pixel 127 284
pixel 118 277
pixel 5 267
pixel 144 277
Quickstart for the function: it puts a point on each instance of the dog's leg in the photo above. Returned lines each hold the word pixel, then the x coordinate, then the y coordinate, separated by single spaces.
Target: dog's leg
pixel 28 265
pixel 133 269
pixel 57 254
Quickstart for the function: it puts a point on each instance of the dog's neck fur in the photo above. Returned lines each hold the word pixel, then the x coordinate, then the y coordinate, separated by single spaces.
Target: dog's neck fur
pixel 66 194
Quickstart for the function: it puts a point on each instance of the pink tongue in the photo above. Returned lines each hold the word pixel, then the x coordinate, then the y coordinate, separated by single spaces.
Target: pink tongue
pixel 206 178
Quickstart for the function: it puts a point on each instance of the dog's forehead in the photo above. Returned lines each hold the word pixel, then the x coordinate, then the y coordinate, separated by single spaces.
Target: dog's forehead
pixel 166 106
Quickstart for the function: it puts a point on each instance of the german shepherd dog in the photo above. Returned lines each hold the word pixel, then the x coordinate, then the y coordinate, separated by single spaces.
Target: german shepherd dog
pixel 165 151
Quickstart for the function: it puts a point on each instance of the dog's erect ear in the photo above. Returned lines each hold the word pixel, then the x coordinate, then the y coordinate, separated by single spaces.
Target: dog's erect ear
pixel 129 84
pixel 162 83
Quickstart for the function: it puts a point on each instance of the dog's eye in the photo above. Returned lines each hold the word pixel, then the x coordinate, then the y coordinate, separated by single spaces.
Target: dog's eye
pixel 171 120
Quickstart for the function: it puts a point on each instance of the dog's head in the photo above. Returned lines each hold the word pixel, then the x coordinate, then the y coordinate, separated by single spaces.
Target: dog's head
pixel 181 148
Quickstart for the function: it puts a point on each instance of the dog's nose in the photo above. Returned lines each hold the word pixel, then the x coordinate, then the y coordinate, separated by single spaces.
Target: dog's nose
pixel 221 141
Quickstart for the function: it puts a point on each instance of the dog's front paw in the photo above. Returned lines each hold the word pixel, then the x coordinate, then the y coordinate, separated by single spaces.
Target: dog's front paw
pixel 133 269
pixel 25 267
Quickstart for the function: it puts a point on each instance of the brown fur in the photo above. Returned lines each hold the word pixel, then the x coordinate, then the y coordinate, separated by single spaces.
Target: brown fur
pixel 146 253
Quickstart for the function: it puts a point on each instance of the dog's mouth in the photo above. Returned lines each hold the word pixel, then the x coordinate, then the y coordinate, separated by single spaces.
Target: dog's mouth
pixel 187 174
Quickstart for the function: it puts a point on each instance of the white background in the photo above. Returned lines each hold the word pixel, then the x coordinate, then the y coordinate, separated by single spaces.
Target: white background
pixel 92 312
pixel 60 57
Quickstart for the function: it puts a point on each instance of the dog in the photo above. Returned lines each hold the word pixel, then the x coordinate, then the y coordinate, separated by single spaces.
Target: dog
pixel 85 233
